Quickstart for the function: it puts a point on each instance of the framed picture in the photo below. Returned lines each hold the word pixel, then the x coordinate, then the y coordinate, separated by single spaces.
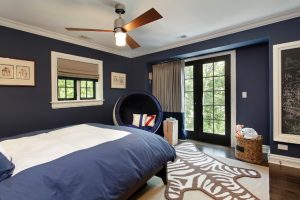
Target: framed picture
pixel 118 80
pixel 14 72
pixel 286 92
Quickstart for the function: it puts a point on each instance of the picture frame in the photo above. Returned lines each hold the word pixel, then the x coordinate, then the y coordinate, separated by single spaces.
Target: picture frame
pixel 118 80
pixel 286 92
pixel 16 72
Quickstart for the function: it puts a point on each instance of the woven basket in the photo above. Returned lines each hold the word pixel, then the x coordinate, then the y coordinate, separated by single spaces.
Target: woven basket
pixel 249 150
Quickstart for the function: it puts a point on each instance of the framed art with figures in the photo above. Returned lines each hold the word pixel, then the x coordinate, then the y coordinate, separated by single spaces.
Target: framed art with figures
pixel 15 72
pixel 118 80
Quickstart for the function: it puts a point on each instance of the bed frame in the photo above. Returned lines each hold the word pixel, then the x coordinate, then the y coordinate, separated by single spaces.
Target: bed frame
pixel 161 172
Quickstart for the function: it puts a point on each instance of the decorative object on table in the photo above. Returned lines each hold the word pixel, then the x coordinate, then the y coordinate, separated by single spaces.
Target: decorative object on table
pixel 137 102
pixel 118 80
pixel 190 172
pixel 170 127
pixel 248 145
pixel 15 72
pixel 286 84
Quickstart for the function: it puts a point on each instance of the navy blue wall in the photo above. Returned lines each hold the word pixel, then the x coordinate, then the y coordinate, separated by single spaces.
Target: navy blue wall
pixel 24 109
pixel 276 33
pixel 252 75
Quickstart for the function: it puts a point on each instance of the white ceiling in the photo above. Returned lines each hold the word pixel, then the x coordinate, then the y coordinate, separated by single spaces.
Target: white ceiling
pixel 197 19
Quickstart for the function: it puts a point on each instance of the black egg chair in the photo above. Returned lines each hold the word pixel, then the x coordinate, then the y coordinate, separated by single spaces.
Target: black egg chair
pixel 137 103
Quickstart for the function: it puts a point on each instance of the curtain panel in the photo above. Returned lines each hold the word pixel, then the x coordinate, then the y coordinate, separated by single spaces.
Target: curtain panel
pixel 168 88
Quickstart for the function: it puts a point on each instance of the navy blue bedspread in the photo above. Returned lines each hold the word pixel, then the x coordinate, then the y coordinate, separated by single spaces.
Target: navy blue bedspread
pixel 102 172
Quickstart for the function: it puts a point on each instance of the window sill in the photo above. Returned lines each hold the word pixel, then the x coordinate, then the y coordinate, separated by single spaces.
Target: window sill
pixel 76 103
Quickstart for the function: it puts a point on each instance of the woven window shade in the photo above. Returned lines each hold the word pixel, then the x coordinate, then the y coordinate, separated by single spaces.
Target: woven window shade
pixel 77 69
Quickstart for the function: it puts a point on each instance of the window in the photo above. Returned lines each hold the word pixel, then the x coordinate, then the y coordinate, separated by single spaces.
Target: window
pixel 66 89
pixel 87 89
pixel 189 97
pixel 76 81
pixel 213 101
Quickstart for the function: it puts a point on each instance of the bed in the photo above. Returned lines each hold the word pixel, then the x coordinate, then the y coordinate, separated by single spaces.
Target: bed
pixel 87 161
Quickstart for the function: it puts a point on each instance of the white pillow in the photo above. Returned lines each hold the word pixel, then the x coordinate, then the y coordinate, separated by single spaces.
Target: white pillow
pixel 2 150
pixel 139 120
pixel 150 120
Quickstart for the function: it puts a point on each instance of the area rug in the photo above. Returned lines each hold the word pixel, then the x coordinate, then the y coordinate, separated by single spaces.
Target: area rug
pixel 194 170
pixel 195 175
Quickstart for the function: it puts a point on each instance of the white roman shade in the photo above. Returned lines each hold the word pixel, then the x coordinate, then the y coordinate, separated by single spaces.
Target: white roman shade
pixel 77 69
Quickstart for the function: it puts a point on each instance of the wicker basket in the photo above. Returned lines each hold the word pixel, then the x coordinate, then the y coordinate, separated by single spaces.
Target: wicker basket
pixel 249 150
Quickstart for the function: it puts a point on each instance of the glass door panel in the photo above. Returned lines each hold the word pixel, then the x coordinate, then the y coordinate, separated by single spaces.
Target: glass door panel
pixel 210 101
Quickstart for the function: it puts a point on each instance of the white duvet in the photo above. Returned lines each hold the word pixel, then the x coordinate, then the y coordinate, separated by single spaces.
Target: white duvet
pixel 30 151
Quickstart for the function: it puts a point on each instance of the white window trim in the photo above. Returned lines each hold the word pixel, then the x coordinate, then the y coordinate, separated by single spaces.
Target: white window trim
pixel 75 103
pixel 232 84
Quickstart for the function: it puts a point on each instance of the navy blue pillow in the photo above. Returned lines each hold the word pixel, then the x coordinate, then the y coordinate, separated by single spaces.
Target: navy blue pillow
pixel 6 167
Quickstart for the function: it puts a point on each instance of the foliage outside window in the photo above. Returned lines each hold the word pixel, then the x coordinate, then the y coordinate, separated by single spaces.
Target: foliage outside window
pixel 67 89
pixel 189 98
pixel 87 89
pixel 213 101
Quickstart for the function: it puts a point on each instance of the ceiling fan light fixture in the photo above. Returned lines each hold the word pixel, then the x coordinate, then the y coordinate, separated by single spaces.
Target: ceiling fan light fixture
pixel 120 38
pixel 121 29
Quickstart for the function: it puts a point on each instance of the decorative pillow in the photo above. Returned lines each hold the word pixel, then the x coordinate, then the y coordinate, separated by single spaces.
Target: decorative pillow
pixel 6 167
pixel 139 120
pixel 150 120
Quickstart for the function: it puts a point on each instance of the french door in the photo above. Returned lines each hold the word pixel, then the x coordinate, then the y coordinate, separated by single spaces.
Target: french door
pixel 211 100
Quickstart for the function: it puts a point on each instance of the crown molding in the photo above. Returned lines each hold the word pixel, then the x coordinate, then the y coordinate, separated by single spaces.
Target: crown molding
pixel 282 16
pixel 58 36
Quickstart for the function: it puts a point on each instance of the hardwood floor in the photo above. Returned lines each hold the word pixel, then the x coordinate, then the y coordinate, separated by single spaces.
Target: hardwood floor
pixel 221 151
pixel 284 181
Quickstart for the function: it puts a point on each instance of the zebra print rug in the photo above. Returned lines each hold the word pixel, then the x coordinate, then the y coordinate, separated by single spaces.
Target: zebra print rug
pixel 194 170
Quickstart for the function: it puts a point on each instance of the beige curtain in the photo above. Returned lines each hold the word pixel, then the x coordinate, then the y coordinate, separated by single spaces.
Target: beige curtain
pixel 168 85
pixel 76 69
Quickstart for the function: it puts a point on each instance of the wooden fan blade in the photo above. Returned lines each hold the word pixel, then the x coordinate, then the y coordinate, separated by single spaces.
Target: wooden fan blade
pixel 131 42
pixel 87 29
pixel 148 17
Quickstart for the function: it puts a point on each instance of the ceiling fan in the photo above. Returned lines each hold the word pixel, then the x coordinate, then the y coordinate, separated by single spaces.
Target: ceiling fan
pixel 121 29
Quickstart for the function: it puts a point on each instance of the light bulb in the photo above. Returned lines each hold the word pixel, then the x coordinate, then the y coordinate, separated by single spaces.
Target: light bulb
pixel 120 38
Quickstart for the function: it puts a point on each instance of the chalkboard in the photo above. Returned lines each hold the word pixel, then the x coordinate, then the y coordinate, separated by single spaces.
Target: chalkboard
pixel 290 91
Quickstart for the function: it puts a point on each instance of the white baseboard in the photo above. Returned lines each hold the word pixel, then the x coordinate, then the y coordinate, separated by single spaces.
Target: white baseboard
pixel 284 160
pixel 266 149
